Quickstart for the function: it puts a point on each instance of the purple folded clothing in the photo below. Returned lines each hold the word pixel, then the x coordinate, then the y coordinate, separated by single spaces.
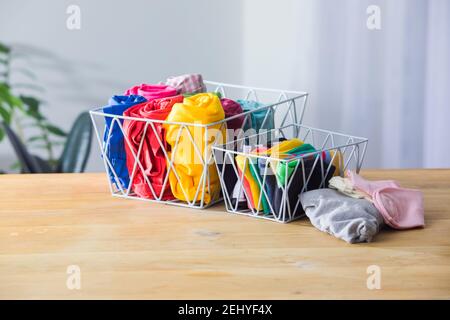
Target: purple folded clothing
pixel 232 108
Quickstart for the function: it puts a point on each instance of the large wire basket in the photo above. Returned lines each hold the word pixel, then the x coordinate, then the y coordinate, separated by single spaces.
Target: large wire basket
pixel 282 106
pixel 280 178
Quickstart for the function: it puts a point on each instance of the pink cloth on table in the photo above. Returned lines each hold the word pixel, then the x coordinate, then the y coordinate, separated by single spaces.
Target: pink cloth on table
pixel 370 187
pixel 401 208
pixel 152 91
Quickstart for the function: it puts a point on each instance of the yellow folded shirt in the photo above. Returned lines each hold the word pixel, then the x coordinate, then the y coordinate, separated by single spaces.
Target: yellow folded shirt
pixel 202 108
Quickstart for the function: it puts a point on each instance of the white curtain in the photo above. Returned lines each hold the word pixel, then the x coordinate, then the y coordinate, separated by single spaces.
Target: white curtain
pixel 391 85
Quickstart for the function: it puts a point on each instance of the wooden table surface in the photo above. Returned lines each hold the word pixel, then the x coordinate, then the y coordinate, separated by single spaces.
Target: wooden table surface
pixel 129 249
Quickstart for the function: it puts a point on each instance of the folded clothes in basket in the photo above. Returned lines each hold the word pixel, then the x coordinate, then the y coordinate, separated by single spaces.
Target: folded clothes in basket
pixel 172 159
pixel 308 176
pixel 264 179
pixel 115 151
pixel 152 91
pixel 247 167
pixel 324 158
pixel 147 143
pixel 187 83
pixel 190 149
pixel 260 119
pixel 232 108
pixel 250 176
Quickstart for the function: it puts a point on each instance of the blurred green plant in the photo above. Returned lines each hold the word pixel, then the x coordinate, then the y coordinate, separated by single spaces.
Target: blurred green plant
pixel 16 107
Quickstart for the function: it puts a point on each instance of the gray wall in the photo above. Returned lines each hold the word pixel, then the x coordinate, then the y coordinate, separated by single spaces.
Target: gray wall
pixel 119 44
pixel 390 85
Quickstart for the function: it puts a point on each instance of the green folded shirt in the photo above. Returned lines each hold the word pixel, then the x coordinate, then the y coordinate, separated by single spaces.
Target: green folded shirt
pixel 281 166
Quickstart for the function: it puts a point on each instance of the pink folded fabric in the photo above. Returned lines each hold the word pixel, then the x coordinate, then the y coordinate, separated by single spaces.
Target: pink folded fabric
pixel 401 208
pixel 152 91
pixel 370 187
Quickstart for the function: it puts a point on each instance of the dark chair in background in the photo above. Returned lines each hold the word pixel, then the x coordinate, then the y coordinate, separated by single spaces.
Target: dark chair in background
pixel 73 158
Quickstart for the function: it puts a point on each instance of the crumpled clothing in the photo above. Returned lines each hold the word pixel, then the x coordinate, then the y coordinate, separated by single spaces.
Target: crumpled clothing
pixel 152 156
pixel 115 150
pixel 352 220
pixel 345 186
pixel 401 208
pixel 202 108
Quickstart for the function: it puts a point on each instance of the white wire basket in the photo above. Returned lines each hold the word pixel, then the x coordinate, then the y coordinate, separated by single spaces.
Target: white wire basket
pixel 280 178
pixel 282 107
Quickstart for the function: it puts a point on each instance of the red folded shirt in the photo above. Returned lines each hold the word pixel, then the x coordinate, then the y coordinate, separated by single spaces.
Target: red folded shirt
pixel 151 157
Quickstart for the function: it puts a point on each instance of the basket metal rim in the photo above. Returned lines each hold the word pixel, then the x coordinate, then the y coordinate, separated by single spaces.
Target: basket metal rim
pixel 222 147
pixel 299 94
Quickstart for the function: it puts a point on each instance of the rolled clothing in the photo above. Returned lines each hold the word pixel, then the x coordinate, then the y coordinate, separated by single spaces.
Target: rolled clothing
pixel 115 149
pixel 151 157
pixel 324 156
pixel 249 168
pixel 352 220
pixel 250 174
pixel 275 192
pixel 232 108
pixel 187 83
pixel 152 91
pixel 295 152
pixel 258 120
pixel 188 95
pixel 202 108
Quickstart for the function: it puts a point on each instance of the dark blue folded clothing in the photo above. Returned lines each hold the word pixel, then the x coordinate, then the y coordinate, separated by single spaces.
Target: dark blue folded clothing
pixel 275 193
pixel 115 151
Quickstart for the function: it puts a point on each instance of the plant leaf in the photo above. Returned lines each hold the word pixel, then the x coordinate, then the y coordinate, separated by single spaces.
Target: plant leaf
pixel 4 48
pixel 5 114
pixel 55 130
pixel 35 138
pixel 32 107
pixel 8 97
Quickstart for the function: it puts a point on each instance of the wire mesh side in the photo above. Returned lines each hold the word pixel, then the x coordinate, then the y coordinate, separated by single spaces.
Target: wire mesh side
pixel 288 109
pixel 279 180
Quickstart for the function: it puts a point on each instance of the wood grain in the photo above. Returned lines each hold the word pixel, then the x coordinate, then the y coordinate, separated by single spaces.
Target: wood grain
pixel 137 250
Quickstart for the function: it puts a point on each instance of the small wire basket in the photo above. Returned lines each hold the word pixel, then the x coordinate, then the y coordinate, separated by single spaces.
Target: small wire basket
pixel 279 178
pixel 282 107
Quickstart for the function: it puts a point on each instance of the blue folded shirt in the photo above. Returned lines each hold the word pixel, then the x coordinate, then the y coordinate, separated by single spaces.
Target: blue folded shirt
pixel 115 150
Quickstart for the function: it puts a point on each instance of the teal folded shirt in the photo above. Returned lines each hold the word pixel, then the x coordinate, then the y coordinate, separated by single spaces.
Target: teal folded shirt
pixel 257 118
